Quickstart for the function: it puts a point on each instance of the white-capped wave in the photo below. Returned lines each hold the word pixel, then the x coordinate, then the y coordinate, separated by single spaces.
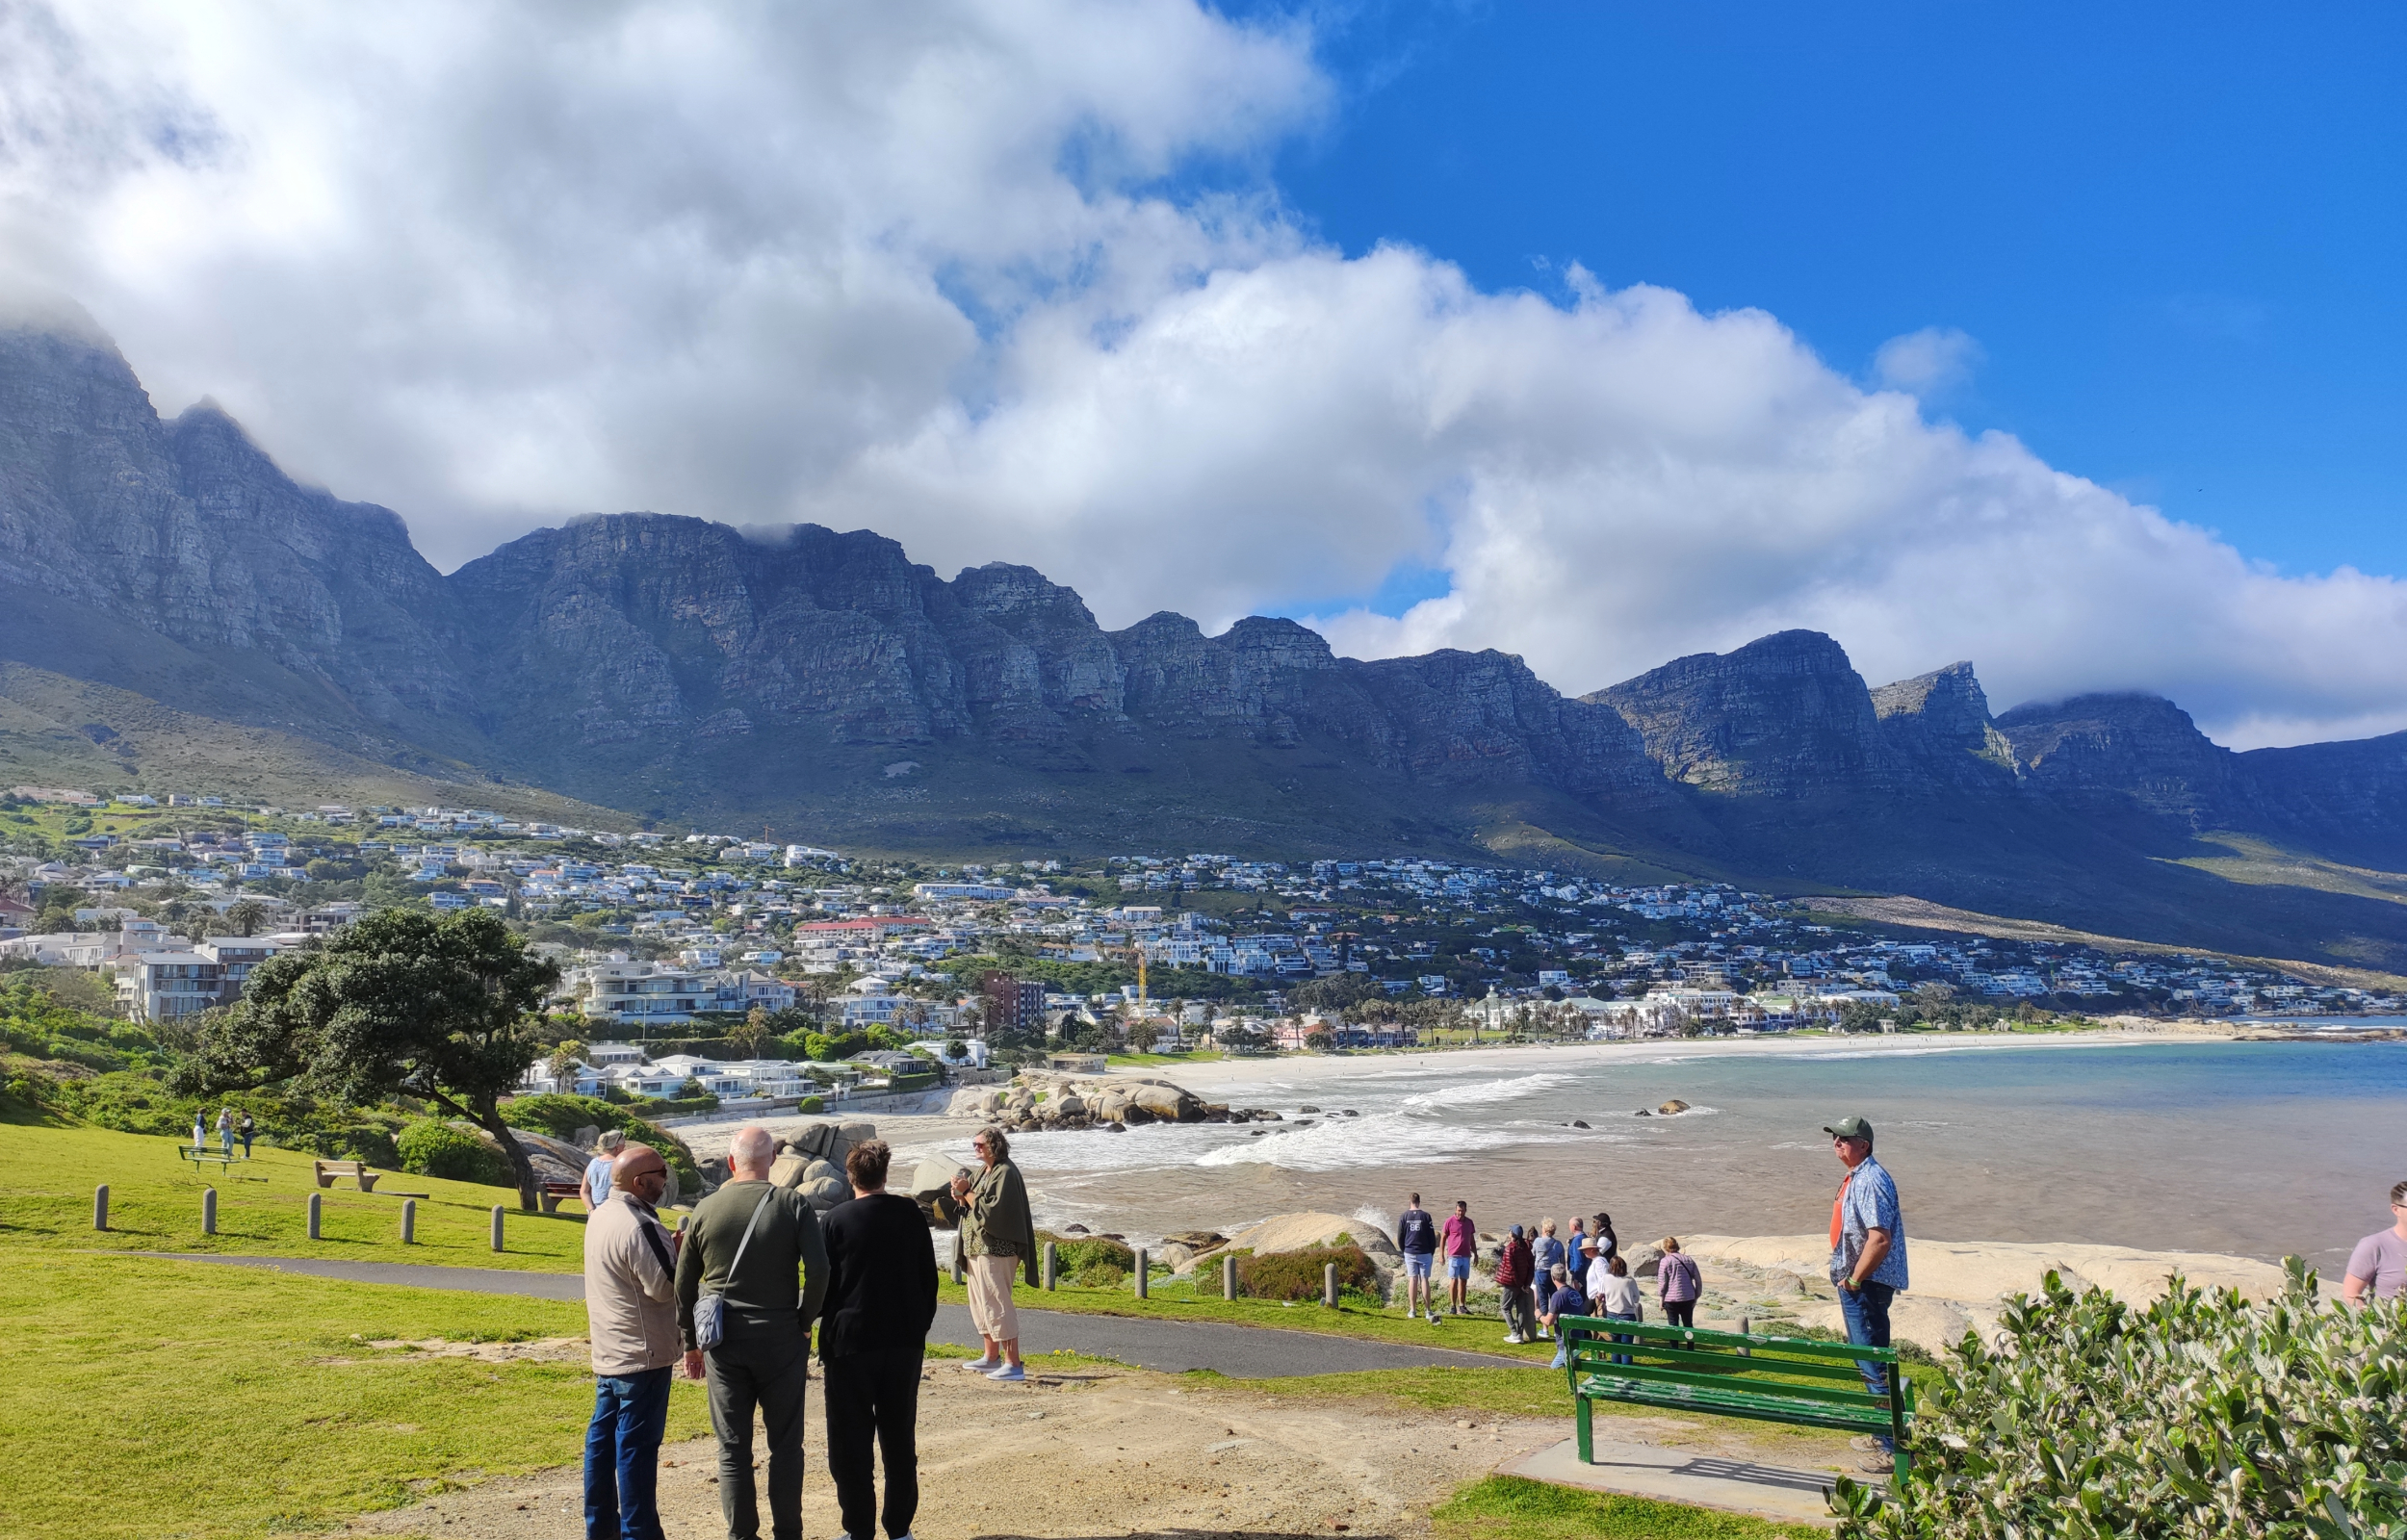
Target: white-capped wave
pixel 1482 1092
pixel 1349 1143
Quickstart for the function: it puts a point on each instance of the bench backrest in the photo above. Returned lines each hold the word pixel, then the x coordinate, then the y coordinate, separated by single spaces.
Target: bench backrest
pixel 1728 1360
pixel 342 1167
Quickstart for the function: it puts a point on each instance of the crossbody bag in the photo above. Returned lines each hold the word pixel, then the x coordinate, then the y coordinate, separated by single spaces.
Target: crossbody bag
pixel 710 1310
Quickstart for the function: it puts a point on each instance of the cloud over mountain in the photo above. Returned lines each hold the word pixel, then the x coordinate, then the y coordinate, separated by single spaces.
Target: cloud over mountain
pixel 1007 281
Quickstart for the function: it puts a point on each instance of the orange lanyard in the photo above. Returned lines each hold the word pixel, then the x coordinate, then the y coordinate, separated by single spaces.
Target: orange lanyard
pixel 1835 1204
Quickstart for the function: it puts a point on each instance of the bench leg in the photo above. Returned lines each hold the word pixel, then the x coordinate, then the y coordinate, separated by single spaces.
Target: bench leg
pixel 323 1180
pixel 368 1183
pixel 1587 1433
pixel 550 1202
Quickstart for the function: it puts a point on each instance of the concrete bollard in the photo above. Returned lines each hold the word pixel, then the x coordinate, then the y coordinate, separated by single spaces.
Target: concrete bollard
pixel 410 1222
pixel 208 1211
pixel 1329 1285
pixel 317 1211
pixel 1053 1267
pixel 1745 1352
pixel 100 1207
pixel 1141 1272
pixel 1228 1277
pixel 497 1226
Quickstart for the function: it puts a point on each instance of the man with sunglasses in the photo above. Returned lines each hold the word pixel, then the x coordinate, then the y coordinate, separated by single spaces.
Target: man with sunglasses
pixel 630 1306
pixel 1867 1259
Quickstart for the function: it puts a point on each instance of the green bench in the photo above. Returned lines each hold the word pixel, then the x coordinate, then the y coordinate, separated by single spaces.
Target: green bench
pixel 1729 1373
pixel 200 1154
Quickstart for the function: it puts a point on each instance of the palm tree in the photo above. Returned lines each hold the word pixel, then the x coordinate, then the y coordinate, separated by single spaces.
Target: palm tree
pixel 564 1061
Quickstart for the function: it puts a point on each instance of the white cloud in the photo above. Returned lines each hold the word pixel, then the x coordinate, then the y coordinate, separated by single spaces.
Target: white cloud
pixel 1928 362
pixel 913 269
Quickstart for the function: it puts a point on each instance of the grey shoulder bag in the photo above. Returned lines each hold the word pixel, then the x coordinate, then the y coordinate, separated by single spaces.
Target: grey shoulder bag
pixel 710 1310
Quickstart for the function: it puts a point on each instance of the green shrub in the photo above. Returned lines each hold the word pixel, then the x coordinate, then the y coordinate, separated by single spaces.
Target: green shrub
pixel 561 1117
pixel 431 1148
pixel 1298 1274
pixel 1095 1262
pixel 2201 1416
pixel 811 1104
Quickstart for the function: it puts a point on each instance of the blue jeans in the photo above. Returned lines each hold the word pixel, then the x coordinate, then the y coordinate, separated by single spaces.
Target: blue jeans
pixel 623 1455
pixel 1867 1313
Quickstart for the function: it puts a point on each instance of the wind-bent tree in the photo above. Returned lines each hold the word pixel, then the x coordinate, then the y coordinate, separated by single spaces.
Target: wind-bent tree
pixel 396 1003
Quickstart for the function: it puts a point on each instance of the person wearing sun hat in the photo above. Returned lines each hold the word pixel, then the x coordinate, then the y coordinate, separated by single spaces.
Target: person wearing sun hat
pixel 1867 1256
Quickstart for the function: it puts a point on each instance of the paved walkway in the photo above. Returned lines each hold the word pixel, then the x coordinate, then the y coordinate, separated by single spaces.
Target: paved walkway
pixel 1684 1476
pixel 1172 1346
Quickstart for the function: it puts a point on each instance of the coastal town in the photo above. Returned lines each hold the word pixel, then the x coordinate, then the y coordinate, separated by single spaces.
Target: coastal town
pixel 682 953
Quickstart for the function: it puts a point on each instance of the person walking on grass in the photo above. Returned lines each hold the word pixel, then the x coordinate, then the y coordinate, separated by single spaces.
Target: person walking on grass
pixel 996 1237
pixel 756 1249
pixel 1515 1271
pixel 249 1130
pixel 1416 1237
pixel 226 1131
pixel 881 1299
pixel 1678 1283
pixel 630 1308
pixel 596 1184
pixel 1460 1237
pixel 1867 1260
pixel 2379 1263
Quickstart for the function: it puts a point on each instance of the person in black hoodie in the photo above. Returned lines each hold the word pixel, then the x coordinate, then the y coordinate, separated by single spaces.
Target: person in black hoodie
pixel 881 1300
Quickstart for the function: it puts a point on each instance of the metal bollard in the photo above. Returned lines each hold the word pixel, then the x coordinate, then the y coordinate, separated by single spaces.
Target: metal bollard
pixel 1053 1267
pixel 1329 1285
pixel 316 1208
pixel 100 1207
pixel 1141 1272
pixel 410 1222
pixel 208 1211
pixel 497 1226
pixel 1228 1277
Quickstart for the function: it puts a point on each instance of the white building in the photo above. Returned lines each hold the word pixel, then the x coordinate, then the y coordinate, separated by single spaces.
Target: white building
pixel 162 985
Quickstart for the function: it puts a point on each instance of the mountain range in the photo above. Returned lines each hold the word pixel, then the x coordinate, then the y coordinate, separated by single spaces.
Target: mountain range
pixel 824 687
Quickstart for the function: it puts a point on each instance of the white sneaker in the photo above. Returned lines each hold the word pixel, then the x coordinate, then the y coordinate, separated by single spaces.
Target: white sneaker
pixel 1514 1337
pixel 983 1366
pixel 1010 1373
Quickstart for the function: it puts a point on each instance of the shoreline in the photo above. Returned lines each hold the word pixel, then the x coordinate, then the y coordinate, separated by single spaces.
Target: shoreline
pixel 1216 1073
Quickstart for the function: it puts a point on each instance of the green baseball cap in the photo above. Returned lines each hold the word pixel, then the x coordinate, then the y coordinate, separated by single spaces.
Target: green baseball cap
pixel 1849 1128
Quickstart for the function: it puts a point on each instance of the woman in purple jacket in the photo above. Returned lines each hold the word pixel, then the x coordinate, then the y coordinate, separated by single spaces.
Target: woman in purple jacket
pixel 1678 1283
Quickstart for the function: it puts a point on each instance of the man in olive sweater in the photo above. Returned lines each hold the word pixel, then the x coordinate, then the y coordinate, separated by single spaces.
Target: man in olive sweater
pixel 875 1332
pixel 762 1360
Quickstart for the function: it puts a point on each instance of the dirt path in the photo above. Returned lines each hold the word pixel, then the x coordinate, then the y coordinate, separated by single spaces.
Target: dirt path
pixel 1108 1451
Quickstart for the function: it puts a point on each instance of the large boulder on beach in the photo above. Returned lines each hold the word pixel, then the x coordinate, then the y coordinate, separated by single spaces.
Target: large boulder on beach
pixel 1168 1103
pixel 973 1102
pixel 1305 1232
pixel 824 1184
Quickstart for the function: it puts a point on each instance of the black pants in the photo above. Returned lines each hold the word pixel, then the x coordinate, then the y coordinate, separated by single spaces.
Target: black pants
pixel 874 1393
pixel 1680 1312
pixel 772 1374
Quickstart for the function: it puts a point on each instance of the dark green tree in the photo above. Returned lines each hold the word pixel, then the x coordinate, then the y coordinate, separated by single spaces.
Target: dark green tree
pixel 399 1003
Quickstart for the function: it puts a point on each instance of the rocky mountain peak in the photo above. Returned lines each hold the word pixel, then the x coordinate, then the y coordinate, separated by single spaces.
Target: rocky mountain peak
pixel 1786 715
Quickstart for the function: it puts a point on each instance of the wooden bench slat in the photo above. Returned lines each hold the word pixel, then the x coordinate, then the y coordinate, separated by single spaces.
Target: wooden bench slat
pixel 1699 1336
pixel 1724 1362
pixel 1860 1396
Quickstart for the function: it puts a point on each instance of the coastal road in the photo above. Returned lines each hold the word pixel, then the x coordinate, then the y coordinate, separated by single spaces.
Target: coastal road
pixel 1171 1347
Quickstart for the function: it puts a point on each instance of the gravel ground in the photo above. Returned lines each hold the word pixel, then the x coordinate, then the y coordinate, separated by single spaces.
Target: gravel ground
pixel 1104 1452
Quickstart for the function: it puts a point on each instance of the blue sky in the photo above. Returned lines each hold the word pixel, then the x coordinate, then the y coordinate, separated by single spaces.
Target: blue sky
pixel 2176 234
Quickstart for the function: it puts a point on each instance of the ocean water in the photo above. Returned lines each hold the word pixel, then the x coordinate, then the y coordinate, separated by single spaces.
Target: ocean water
pixel 2260 1150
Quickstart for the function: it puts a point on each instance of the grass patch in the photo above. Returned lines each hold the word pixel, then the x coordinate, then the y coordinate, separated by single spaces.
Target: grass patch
pixel 1510 1506
pixel 263 1206
pixel 1199 1299
pixel 151 1398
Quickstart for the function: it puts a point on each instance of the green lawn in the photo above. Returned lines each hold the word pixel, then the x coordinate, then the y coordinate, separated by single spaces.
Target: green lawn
pixel 1510 1508
pixel 154 1400
pixel 263 1206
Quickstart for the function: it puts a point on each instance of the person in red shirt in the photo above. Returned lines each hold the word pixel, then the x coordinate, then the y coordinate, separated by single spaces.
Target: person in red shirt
pixel 1460 1240
pixel 1515 1270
